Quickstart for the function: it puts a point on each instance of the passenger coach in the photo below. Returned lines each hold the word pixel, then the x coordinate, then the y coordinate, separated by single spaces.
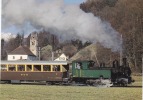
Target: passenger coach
pixel 49 71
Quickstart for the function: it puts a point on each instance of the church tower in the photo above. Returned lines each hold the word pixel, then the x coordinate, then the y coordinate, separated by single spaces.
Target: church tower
pixel 34 43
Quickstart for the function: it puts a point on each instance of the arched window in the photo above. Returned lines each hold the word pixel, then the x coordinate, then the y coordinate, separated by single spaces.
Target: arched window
pixel 20 57
pixel 13 57
pixel 33 43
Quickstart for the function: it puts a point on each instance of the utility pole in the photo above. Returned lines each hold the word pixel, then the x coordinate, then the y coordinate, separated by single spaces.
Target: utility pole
pixel 52 55
pixel 39 52
pixel 121 50
pixel 53 43
pixel 142 61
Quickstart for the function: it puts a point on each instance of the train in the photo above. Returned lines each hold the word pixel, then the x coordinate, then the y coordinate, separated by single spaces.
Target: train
pixel 83 72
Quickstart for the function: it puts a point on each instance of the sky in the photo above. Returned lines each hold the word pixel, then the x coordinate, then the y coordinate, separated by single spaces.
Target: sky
pixel 63 18
pixel 14 30
pixel 74 1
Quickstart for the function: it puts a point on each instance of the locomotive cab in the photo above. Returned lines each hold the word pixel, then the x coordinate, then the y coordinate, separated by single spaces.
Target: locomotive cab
pixel 86 72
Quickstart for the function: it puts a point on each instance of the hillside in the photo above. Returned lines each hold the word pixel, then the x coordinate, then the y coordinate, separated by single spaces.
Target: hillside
pixel 97 53
pixel 85 53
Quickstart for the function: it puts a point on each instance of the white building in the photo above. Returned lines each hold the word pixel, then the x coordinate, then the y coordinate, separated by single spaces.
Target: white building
pixel 62 57
pixel 21 53
pixel 25 53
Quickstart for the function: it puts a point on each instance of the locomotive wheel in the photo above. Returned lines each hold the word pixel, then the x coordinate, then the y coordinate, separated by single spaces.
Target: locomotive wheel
pixel 123 84
pixel 88 83
pixel 73 83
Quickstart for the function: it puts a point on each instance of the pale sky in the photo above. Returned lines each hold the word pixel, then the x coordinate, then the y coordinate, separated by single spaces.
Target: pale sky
pixel 74 1
pixel 15 30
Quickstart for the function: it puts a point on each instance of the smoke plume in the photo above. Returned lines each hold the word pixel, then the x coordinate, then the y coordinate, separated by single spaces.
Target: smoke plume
pixel 65 20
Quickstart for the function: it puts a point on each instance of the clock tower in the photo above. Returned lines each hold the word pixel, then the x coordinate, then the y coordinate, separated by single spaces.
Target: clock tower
pixel 34 43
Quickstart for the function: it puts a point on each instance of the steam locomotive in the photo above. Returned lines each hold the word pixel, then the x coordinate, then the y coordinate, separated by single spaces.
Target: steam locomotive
pixel 86 72
pixel 78 72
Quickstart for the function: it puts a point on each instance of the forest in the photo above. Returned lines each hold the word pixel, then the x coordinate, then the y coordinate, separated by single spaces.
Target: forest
pixel 126 16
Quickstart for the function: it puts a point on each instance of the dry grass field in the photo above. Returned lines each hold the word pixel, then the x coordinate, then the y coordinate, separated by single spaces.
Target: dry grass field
pixel 43 92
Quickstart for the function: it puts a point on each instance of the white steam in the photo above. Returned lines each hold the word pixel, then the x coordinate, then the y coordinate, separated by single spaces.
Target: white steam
pixel 66 21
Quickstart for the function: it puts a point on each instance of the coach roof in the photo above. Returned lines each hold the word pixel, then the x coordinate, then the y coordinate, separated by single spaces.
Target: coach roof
pixel 36 62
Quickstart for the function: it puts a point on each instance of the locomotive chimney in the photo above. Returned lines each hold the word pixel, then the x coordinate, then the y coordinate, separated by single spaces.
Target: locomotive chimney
pixel 124 62
pixel 121 52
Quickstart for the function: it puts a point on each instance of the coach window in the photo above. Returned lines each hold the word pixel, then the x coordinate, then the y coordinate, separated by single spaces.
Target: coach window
pixel 37 67
pixel 3 68
pixel 11 68
pixel 56 67
pixel 29 67
pixel 21 68
pixel 46 68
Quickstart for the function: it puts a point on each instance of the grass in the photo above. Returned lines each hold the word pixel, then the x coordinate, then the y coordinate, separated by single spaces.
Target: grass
pixel 138 81
pixel 137 78
pixel 43 92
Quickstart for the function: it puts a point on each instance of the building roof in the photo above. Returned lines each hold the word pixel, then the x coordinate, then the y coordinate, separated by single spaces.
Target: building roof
pixel 22 50
pixel 62 57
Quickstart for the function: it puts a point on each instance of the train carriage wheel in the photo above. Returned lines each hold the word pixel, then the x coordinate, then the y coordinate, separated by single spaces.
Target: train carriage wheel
pixel 48 83
pixel 60 83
